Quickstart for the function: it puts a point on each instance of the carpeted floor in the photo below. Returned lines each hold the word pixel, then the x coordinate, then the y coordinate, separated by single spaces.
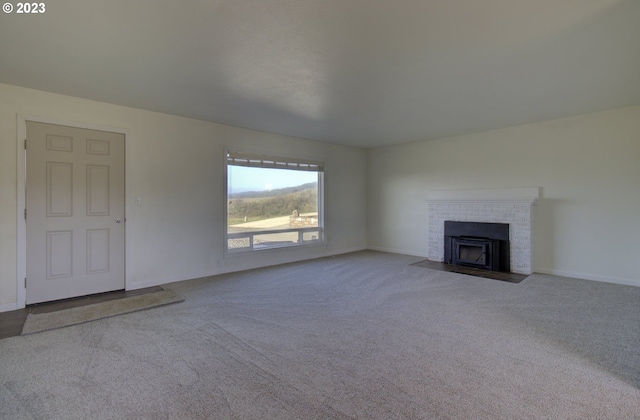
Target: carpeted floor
pixel 364 335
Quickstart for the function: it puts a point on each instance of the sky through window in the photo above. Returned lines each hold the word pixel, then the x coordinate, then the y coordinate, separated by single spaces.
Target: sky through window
pixel 243 179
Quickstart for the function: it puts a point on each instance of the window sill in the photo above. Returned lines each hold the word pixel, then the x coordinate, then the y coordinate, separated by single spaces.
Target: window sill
pixel 274 248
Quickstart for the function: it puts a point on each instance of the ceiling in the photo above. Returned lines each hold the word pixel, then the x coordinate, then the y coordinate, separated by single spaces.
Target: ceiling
pixel 364 73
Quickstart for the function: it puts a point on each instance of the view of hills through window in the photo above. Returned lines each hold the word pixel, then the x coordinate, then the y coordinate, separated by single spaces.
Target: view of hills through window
pixel 269 207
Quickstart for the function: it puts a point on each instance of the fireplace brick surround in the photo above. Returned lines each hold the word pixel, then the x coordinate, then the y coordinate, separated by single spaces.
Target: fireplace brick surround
pixel 503 205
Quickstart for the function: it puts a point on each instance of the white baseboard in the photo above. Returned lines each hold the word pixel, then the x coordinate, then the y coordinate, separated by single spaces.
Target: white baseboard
pixel 346 251
pixel 168 279
pixel 397 251
pixel 587 276
pixel 5 307
pixel 172 279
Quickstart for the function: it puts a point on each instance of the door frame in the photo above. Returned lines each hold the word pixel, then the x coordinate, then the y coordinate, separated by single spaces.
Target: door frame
pixel 21 259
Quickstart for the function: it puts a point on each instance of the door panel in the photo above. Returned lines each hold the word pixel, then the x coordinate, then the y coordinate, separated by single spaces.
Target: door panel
pixel 59 180
pixel 75 194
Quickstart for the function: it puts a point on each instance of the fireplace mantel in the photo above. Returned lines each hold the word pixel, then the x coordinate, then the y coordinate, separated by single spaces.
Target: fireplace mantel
pixel 497 205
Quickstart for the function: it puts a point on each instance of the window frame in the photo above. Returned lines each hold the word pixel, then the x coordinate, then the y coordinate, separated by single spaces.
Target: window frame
pixel 275 161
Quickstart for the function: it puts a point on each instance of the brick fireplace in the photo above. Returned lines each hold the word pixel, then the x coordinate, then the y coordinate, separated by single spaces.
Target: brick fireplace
pixel 513 206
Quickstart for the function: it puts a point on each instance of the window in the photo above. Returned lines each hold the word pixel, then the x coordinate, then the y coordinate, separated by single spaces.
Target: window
pixel 273 202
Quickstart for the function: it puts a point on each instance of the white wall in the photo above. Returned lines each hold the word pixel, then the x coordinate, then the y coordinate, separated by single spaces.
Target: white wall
pixel 587 223
pixel 175 165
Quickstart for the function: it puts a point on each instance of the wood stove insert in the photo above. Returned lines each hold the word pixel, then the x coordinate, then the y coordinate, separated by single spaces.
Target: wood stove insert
pixel 480 245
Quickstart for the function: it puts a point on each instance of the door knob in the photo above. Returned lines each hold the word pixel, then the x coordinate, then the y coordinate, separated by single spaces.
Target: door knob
pixel 118 220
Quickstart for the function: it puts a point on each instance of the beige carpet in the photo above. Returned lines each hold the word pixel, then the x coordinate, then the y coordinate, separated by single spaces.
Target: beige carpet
pixel 66 317
pixel 359 336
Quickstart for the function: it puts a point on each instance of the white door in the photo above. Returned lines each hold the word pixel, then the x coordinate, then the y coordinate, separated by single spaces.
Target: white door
pixel 75 212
